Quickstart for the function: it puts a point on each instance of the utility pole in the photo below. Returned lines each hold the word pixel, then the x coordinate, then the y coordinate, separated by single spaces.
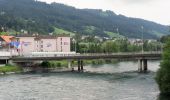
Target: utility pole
pixel 75 44
pixel 117 29
pixel 142 39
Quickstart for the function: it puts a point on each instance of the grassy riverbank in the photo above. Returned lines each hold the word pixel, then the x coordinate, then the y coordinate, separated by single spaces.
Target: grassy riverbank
pixel 9 68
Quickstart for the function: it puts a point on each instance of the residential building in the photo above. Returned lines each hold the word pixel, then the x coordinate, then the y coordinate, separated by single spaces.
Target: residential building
pixel 26 44
pixel 63 44
pixel 41 43
pixel 9 44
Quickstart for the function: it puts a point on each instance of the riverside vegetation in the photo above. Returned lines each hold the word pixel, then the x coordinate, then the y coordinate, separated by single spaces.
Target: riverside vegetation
pixel 64 63
pixel 92 45
pixel 9 68
pixel 163 74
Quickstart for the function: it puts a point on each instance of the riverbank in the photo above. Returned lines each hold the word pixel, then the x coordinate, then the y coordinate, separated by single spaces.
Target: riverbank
pixel 8 69
pixel 51 66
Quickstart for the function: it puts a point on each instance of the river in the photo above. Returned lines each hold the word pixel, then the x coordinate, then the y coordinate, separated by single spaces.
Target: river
pixel 119 81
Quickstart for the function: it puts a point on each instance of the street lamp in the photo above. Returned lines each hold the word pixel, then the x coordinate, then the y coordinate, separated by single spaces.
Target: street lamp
pixel 142 39
pixel 119 44
pixel 74 44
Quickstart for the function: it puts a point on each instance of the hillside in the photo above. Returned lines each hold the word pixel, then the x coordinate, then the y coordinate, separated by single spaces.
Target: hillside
pixel 43 18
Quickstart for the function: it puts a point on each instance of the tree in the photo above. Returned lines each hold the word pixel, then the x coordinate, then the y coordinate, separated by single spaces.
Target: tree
pixel 45 64
pixel 163 74
pixel 109 47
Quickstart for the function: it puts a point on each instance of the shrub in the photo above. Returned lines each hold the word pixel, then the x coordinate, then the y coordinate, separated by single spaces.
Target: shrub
pixel 58 64
pixel 9 69
pixel 45 64
pixel 163 74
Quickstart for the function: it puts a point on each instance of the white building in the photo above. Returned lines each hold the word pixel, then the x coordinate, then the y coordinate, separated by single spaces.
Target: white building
pixel 30 44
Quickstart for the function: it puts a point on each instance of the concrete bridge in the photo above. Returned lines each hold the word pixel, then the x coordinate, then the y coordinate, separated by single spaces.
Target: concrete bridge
pixel 142 58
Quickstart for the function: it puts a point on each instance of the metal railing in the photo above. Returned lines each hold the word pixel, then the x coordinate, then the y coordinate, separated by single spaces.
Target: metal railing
pixel 93 54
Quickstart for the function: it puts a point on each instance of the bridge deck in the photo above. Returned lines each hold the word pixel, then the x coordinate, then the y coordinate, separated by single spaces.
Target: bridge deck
pixel 145 55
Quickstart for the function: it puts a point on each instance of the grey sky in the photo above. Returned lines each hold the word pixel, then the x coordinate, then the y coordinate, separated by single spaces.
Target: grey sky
pixel 153 10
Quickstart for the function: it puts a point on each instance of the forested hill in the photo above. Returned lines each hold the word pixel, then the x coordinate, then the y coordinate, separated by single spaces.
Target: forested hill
pixel 43 18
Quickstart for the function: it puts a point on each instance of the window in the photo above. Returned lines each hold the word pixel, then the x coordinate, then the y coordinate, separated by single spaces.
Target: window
pixel 41 46
pixel 41 42
pixel 61 48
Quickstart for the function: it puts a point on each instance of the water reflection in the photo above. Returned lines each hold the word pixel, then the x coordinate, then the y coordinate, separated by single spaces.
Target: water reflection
pixel 163 97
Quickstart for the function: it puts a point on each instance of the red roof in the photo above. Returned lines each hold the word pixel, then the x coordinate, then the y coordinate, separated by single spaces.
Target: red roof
pixel 7 38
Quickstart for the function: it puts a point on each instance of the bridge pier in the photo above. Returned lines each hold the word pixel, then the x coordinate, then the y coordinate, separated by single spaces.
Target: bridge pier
pixel 139 65
pixel 7 61
pixel 69 64
pixel 80 65
pixel 143 66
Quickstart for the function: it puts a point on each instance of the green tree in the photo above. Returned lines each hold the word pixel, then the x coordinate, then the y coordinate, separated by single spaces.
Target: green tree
pixel 45 64
pixel 163 74
pixel 109 47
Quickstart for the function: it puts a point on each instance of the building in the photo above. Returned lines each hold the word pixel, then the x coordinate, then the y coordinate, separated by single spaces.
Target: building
pixel 135 41
pixel 41 43
pixel 26 44
pixel 9 44
pixel 5 41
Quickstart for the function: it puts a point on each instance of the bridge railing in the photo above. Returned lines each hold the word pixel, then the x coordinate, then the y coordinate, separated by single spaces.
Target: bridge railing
pixel 94 54
pixel 5 54
pixel 122 53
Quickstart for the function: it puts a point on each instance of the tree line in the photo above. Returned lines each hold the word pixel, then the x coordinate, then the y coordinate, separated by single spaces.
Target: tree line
pixel 114 46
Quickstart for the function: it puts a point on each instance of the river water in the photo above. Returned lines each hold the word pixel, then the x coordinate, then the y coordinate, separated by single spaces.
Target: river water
pixel 120 81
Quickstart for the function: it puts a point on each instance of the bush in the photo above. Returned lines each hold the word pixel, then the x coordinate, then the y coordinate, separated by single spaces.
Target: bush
pixel 58 64
pixel 163 74
pixel 45 64
pixel 10 68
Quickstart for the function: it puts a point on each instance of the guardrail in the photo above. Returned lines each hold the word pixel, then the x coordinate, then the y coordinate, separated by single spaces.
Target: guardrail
pixel 91 54
pixel 5 54
pixel 122 53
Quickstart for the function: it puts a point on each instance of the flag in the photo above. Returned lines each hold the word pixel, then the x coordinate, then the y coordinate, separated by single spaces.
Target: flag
pixel 15 44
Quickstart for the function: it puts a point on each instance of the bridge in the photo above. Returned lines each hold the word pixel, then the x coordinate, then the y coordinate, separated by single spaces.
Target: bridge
pixel 142 58
pixel 133 56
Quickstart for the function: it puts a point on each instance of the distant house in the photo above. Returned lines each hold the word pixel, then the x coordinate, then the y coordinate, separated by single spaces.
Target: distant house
pixel 9 43
pixel 5 41
pixel 135 41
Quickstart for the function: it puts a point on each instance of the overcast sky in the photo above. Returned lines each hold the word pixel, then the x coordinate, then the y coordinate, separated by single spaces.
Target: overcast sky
pixel 153 10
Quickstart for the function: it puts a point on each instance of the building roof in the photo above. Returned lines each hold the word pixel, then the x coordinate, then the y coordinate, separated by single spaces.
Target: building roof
pixel 26 35
pixel 46 37
pixel 43 36
pixel 7 38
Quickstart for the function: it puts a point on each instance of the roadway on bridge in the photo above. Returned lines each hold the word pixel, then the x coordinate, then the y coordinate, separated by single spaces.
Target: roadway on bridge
pixel 144 55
